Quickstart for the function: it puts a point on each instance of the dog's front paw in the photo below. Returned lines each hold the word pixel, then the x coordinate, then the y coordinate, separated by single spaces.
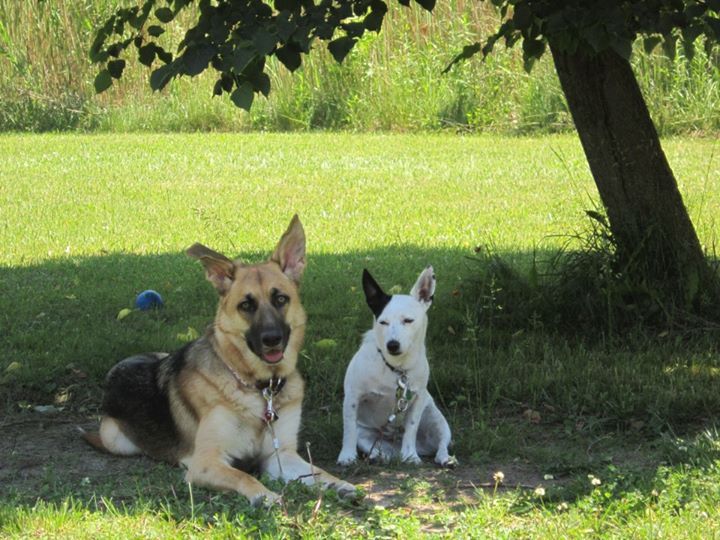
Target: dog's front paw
pixel 347 458
pixel 413 459
pixel 346 490
pixel 266 499
pixel 446 461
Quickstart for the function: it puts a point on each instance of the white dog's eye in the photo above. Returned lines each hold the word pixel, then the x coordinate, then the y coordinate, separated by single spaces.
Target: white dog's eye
pixel 384 323
pixel 408 321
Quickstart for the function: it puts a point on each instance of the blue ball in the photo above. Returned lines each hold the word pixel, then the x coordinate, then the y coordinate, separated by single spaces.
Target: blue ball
pixel 148 300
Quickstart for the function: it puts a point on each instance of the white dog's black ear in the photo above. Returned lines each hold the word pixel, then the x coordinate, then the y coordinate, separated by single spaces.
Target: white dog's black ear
pixel 424 288
pixel 376 298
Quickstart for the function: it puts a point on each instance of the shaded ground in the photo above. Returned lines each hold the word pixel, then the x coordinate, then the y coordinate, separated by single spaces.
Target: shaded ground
pixel 43 455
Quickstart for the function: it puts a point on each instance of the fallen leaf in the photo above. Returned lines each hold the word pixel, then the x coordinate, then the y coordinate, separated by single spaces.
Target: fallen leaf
pixel 190 335
pixel 13 366
pixel 326 343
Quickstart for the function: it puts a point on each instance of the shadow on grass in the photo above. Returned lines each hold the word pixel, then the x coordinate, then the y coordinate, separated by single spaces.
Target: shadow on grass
pixel 510 393
pixel 62 314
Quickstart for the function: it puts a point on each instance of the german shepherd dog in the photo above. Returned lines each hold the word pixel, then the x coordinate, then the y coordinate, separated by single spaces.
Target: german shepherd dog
pixel 228 403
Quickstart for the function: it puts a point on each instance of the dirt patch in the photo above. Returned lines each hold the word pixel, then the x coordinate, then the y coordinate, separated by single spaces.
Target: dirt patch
pixel 45 454
pixel 38 452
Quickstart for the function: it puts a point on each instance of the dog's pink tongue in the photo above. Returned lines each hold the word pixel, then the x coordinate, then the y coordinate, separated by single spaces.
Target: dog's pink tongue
pixel 274 356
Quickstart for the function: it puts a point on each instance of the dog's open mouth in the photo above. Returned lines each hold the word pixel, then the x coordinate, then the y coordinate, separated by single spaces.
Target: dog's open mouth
pixel 272 356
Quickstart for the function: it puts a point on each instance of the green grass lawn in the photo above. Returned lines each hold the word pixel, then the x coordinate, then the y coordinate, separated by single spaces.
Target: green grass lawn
pixel 86 222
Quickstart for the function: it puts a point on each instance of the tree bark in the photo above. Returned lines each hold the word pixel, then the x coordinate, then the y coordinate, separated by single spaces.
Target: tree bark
pixel 648 219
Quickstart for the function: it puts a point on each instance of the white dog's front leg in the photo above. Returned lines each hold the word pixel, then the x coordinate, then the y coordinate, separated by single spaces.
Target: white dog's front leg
pixel 348 454
pixel 408 451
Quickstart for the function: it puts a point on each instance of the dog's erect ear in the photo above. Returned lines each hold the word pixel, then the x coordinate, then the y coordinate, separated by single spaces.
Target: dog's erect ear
pixel 424 288
pixel 376 298
pixel 218 268
pixel 290 251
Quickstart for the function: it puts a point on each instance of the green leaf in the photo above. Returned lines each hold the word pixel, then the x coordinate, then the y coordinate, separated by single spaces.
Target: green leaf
pixel 243 96
pixel 289 56
pixel 467 52
pixel 373 20
pixel 196 59
pixel 533 48
pixel 689 48
pixel 97 54
pixel 161 76
pixel 226 81
pixel 669 46
pixel 241 57
pixel 103 81
pixel 115 68
pixel 714 25
pixel 694 11
pixel 285 27
pixel 649 43
pixel 218 89
pixel 597 216
pixel 287 5
pixel 522 16
pixel 155 30
pixel 261 83
pixel 621 46
pixel 340 47
pixel 264 42
pixel 163 55
pixel 354 30
pixel 427 4
pixel 164 14
pixel 146 54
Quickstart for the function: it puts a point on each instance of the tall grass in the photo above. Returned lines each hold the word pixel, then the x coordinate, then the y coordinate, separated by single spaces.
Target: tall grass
pixel 391 81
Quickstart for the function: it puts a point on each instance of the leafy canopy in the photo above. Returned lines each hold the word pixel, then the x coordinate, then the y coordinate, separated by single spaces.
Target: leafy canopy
pixel 235 37
pixel 592 26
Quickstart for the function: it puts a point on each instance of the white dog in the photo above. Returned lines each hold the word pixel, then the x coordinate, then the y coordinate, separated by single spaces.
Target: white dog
pixel 387 410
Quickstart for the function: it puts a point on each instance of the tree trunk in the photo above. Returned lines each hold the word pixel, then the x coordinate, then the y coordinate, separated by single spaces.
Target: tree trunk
pixel 648 219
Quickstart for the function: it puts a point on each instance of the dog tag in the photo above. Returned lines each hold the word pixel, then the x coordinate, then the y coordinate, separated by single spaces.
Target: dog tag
pixel 270 413
pixel 402 405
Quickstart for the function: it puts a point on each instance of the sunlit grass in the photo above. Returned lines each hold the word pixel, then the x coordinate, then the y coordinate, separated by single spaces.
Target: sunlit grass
pixel 89 221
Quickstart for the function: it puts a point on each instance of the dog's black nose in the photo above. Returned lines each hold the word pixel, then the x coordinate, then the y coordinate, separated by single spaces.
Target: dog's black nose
pixel 393 346
pixel 271 338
